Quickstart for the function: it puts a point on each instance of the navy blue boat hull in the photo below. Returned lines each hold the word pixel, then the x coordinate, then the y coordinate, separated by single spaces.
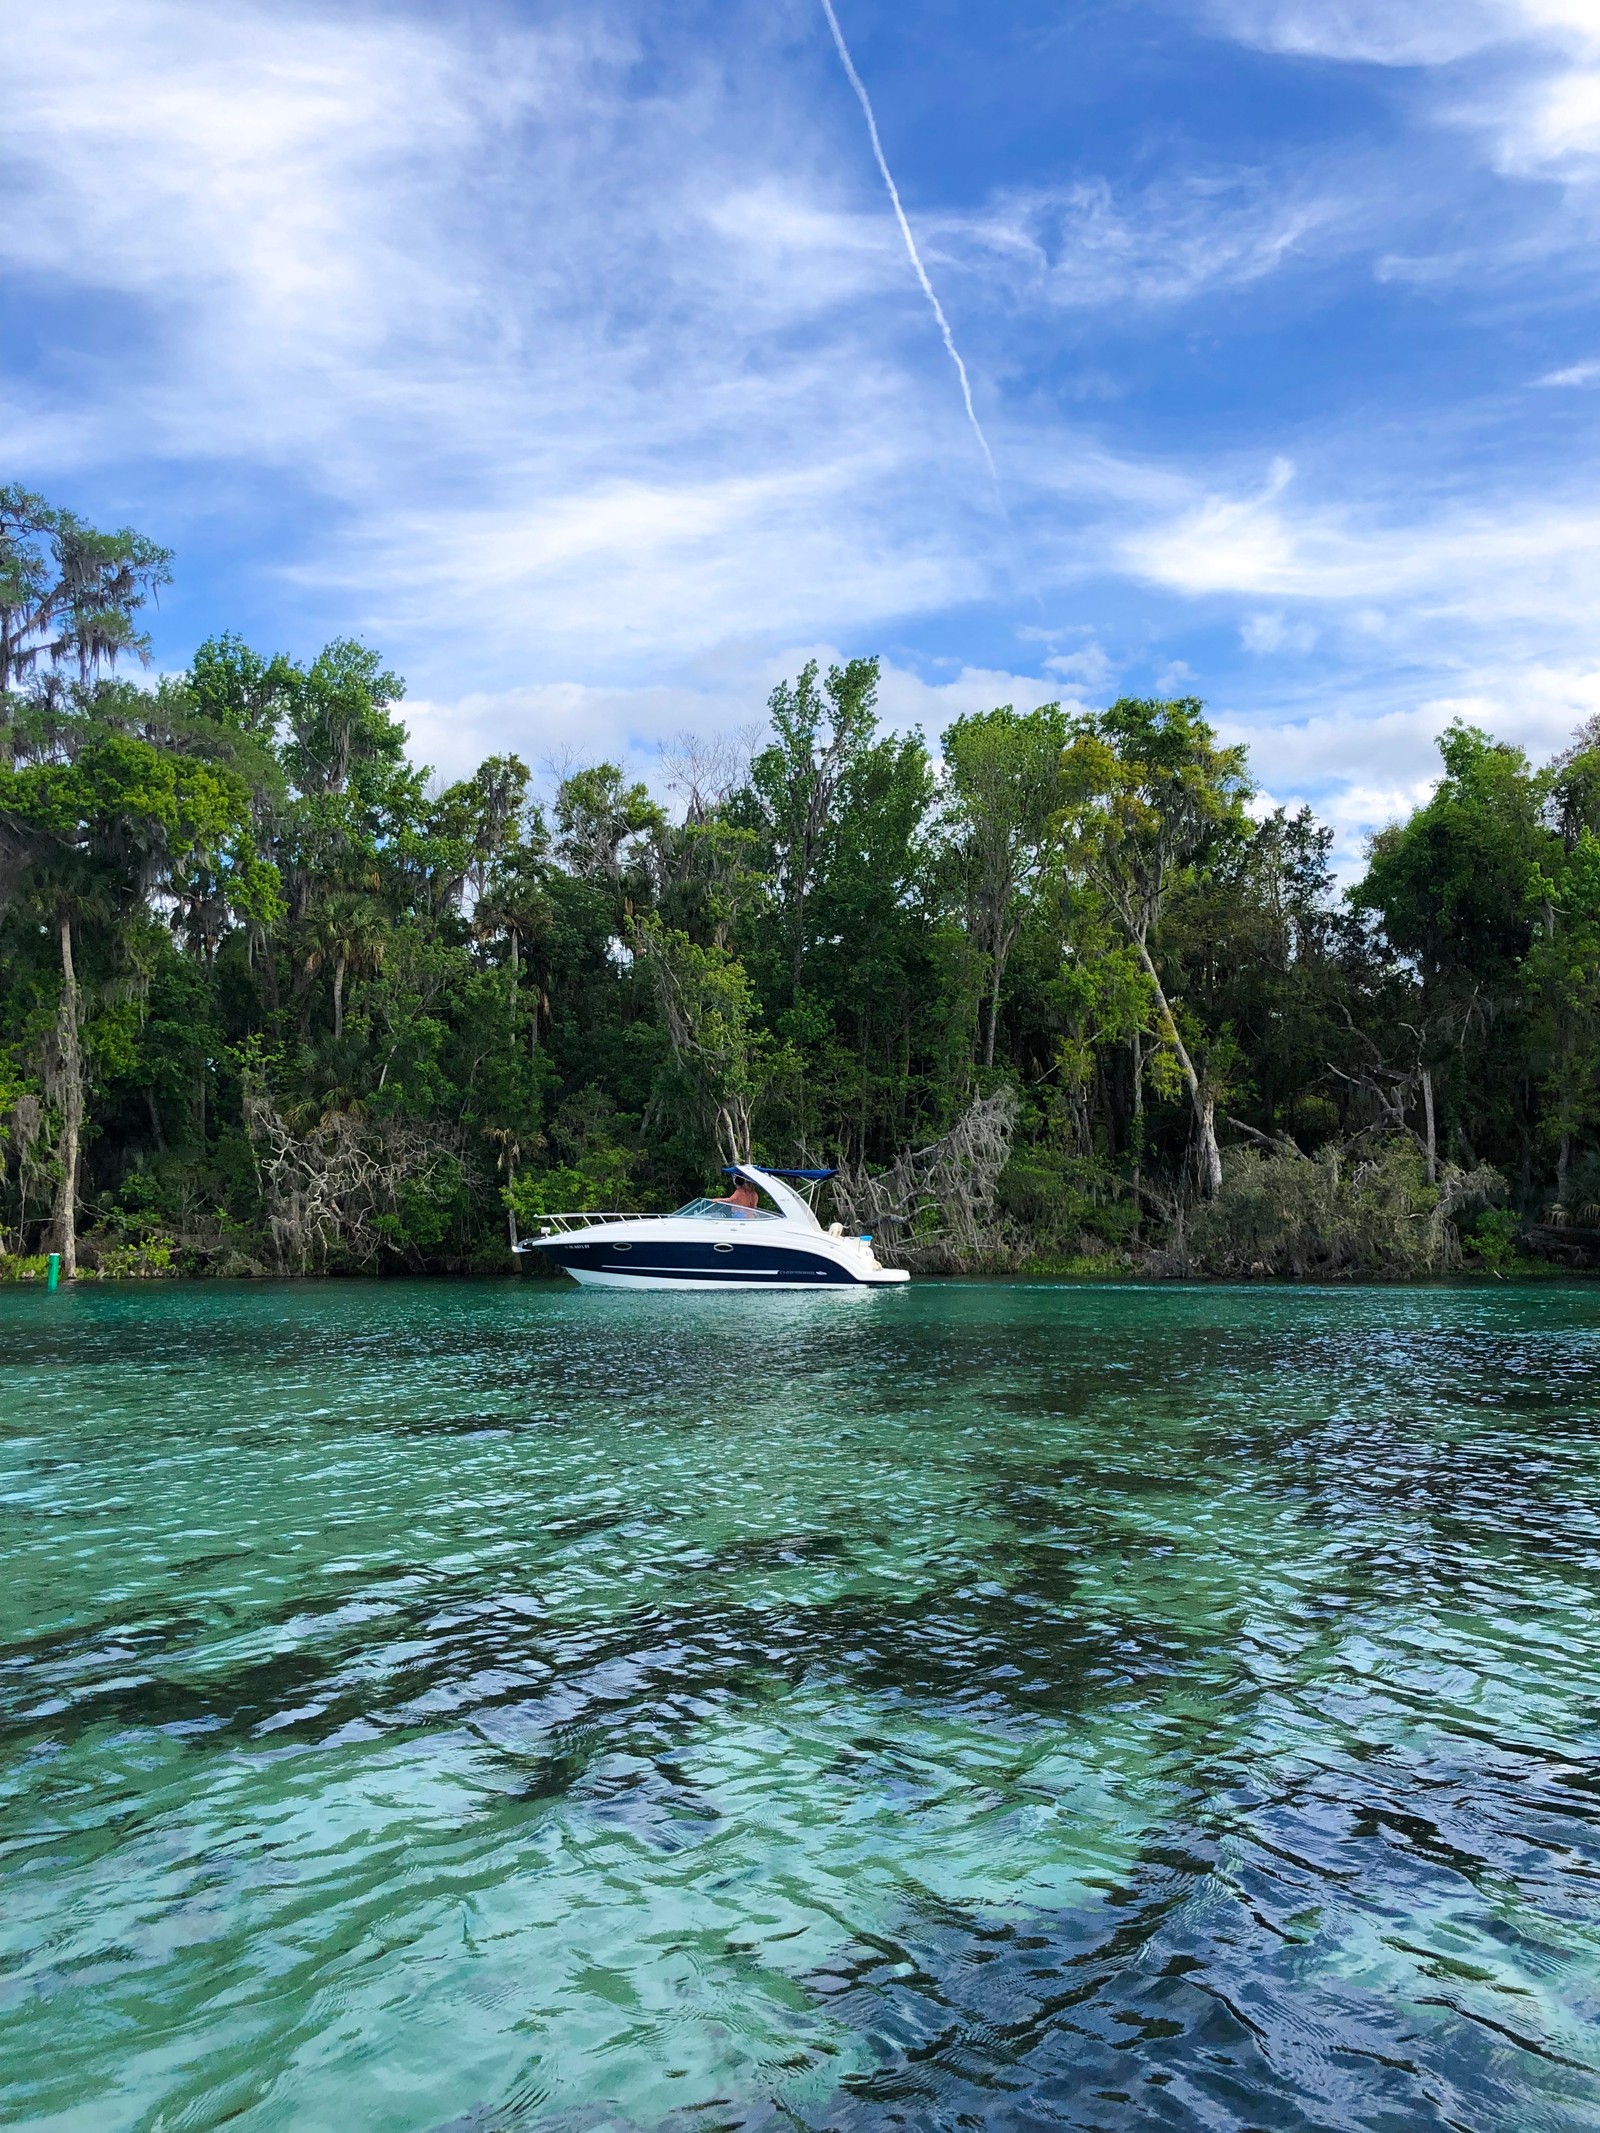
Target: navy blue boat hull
pixel 672 1262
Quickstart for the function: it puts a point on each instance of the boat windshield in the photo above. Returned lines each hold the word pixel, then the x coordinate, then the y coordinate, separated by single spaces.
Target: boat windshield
pixel 720 1211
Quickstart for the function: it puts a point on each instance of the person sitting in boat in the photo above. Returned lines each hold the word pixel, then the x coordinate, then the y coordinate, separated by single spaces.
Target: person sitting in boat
pixel 743 1196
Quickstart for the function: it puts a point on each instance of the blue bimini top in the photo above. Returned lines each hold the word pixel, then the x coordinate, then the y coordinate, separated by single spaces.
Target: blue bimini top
pixel 814 1177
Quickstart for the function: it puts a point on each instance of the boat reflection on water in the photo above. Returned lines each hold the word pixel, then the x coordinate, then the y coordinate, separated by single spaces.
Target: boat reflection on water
pixel 717 1244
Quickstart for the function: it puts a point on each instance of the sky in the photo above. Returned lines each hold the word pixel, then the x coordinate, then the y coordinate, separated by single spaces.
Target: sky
pixel 574 355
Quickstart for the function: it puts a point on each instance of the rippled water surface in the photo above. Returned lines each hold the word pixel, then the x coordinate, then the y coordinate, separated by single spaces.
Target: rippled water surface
pixel 509 1706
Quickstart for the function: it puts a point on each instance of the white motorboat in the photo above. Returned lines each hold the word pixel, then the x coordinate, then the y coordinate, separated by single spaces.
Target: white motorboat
pixel 716 1244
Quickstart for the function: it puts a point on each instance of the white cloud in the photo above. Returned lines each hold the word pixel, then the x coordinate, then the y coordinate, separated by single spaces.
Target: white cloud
pixel 628 575
pixel 1364 766
pixel 907 699
pixel 1574 374
pixel 796 253
pixel 1535 94
pixel 1270 633
pixel 1393 33
pixel 1354 750
pixel 1356 770
pixel 1487 564
pixel 266 185
pixel 1085 245
pixel 1538 705
pixel 547 723
pixel 1090 667
pixel 1551 124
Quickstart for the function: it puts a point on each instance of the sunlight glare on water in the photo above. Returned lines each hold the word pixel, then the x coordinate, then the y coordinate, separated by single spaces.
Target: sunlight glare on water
pixel 507 1706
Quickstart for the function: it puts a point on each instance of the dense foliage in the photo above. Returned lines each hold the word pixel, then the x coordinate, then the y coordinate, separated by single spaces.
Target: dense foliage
pixel 273 998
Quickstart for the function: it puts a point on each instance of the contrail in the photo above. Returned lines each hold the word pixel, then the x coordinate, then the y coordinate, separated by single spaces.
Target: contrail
pixel 865 102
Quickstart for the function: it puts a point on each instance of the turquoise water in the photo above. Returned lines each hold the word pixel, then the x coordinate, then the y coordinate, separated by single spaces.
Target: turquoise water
pixel 510 1706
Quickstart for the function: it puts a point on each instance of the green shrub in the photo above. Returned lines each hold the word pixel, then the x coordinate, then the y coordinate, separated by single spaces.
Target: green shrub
pixel 1492 1240
pixel 600 1182
pixel 1082 1266
pixel 24 1266
pixel 1364 1209
pixel 150 1260
pixel 1065 1206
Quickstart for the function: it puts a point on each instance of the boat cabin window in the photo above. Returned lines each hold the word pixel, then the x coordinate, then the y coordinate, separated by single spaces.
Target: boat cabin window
pixel 719 1211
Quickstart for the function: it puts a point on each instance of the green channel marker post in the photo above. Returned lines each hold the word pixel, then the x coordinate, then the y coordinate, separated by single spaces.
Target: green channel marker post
pixel 52 1279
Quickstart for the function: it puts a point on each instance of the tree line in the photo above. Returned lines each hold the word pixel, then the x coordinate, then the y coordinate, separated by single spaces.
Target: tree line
pixel 1058 992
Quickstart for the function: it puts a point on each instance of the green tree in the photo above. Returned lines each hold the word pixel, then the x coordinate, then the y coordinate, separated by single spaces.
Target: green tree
pixel 1561 981
pixel 1453 889
pixel 1152 797
pixel 1003 818
pixel 348 932
pixel 1264 955
pixel 68 592
pixel 819 734
pixel 883 1045
pixel 599 817
pixel 711 1018
pixel 111 818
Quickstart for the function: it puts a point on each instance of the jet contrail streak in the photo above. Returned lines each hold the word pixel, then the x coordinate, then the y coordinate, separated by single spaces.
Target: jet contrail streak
pixel 865 102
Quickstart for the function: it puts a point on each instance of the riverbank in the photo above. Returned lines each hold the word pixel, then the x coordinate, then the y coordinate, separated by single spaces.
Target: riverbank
pixel 1082 1270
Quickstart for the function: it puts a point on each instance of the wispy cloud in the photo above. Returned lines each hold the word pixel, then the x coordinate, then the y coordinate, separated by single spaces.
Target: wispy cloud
pixel 1486 564
pixel 1090 244
pixel 1391 33
pixel 1271 633
pixel 571 368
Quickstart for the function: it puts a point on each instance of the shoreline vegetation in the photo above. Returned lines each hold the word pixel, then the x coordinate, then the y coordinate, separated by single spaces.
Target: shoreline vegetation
pixel 1057 994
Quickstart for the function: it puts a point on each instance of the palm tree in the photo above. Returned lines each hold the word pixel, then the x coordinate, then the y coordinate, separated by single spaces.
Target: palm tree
pixel 349 931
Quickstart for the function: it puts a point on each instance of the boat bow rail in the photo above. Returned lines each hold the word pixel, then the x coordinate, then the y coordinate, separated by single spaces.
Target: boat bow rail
pixel 578 1218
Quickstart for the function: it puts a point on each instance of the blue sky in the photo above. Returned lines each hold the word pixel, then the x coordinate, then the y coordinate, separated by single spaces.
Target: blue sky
pixel 573 356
